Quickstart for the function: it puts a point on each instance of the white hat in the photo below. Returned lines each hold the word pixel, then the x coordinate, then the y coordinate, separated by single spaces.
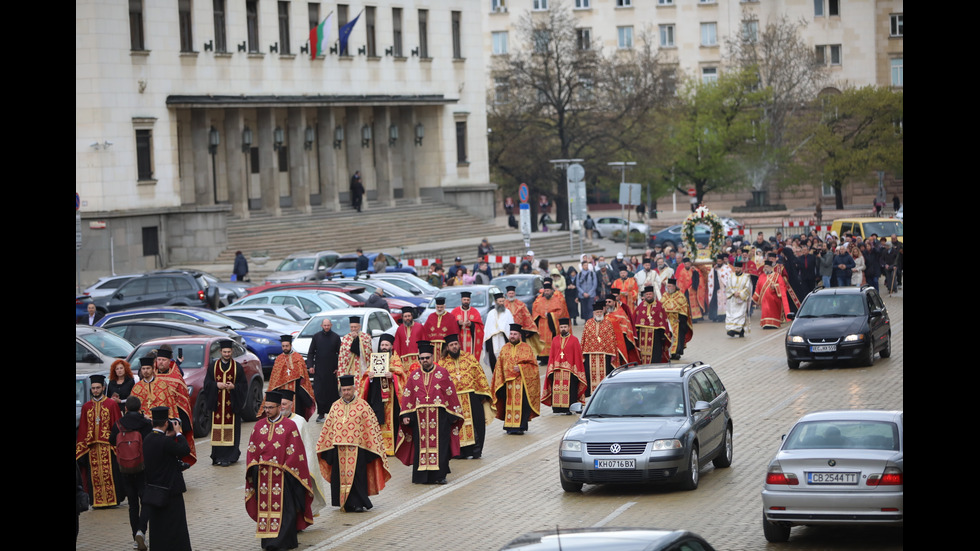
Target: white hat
pixel 619 256
pixel 530 253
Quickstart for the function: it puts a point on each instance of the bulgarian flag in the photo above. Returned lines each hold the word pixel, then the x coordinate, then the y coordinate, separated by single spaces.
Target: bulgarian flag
pixel 320 37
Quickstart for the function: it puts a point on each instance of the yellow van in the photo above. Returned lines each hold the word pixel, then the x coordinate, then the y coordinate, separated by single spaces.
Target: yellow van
pixel 864 227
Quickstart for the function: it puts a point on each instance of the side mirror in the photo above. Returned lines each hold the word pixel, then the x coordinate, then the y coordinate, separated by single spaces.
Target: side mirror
pixel 791 315
pixel 576 408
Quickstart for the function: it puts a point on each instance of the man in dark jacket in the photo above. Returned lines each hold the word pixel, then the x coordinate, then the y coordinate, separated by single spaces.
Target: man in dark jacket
pixel 356 190
pixel 164 494
pixel 133 482
pixel 362 263
pixel 321 360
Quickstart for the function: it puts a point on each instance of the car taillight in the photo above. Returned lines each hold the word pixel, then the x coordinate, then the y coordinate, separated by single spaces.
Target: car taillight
pixel 891 477
pixel 200 295
pixel 777 476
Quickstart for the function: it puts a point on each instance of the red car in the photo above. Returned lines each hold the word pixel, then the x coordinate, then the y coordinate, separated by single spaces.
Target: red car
pixel 200 352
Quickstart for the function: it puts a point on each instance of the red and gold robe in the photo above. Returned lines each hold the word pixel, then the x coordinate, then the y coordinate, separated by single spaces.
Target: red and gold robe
pixel 349 428
pixel 172 393
pixel 629 293
pixel 94 427
pixel 391 390
pixel 564 363
pixel 437 327
pixel 546 312
pixel 770 295
pixel 290 373
pixel 425 395
pixel 625 335
pixel 600 348
pixel 470 382
pixel 470 338
pixel 521 315
pixel 675 305
pixel 689 282
pixel 517 370
pixel 276 449
pixel 406 342
pixel 348 363
pixel 648 318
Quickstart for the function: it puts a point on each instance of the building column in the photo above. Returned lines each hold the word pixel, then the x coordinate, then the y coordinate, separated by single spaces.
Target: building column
pixel 267 160
pixel 355 153
pixel 410 184
pixel 235 162
pixel 382 156
pixel 203 190
pixel 329 179
pixel 299 177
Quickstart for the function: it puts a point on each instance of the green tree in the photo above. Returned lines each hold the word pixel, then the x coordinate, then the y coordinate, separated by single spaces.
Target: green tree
pixel 852 134
pixel 713 129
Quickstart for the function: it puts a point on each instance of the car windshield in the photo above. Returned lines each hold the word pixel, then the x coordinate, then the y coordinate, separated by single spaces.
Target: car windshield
pixel 858 435
pixel 884 228
pixel 193 355
pixel 345 265
pixel 81 395
pixel 108 344
pixel 296 264
pixel 341 325
pixel 830 306
pixel 453 299
pixel 221 320
pixel 525 285
pixel 637 399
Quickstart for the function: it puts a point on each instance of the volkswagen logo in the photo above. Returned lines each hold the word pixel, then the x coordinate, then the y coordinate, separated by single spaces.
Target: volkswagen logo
pixel 615 448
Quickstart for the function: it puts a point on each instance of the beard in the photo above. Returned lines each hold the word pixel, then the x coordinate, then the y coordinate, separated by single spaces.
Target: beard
pixel 564 333
pixel 453 355
pixel 501 308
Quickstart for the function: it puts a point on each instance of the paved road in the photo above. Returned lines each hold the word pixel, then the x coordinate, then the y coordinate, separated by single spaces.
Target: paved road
pixel 514 488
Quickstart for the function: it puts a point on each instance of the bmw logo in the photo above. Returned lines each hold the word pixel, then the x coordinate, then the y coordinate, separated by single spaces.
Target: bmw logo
pixel 832 462
pixel 615 448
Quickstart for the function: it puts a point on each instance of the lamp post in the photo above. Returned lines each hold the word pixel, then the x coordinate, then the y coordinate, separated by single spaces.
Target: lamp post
pixel 562 164
pixel 623 166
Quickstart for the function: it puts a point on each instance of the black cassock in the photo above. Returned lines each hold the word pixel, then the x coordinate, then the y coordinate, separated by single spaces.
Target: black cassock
pixel 209 393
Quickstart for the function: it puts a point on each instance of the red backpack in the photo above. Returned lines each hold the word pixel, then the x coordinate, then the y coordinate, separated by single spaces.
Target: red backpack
pixel 129 449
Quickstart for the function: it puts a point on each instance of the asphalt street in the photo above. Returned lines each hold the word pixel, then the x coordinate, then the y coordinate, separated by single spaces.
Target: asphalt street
pixel 514 488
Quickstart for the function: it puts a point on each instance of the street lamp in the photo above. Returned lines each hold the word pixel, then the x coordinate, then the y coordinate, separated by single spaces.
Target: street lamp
pixel 392 135
pixel 310 136
pixel 366 136
pixel 277 138
pixel 338 136
pixel 623 166
pixel 419 133
pixel 246 139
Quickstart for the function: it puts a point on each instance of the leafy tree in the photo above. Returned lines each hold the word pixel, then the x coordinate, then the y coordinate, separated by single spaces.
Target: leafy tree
pixel 852 134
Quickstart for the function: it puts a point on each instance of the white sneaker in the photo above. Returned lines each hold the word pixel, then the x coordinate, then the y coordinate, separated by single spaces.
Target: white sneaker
pixel 140 542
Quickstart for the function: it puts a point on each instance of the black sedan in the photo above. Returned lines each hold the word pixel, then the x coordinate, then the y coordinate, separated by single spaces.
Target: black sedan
pixel 839 324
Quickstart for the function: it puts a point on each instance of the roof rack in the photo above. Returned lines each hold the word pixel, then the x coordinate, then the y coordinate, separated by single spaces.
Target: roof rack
pixel 691 366
pixel 622 368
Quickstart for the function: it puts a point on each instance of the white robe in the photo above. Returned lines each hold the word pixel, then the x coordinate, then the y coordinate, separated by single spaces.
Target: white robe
pixel 738 293
pixel 721 283
pixel 309 433
pixel 661 280
pixel 496 328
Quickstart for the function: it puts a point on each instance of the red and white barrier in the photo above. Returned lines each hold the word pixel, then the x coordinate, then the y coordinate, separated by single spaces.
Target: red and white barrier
pixel 491 259
pixel 417 262
pixel 740 232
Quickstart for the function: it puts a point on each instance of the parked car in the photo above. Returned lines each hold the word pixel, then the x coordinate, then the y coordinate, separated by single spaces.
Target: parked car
pixel 228 291
pixel 839 324
pixel 170 288
pixel 389 288
pixel 374 322
pixel 312 301
pixel 139 330
pixel 411 283
pixel 200 353
pixel 261 342
pixel 864 227
pixel 837 467
pixel 672 236
pixel 294 313
pixel 610 539
pixel 527 286
pixel 481 299
pixel 96 349
pixel 605 226
pixel 255 318
pixel 347 265
pixel 649 424
pixel 306 266
pixel 107 285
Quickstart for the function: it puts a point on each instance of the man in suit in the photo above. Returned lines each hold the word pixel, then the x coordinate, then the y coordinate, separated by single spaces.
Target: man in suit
pixel 162 450
pixel 92 318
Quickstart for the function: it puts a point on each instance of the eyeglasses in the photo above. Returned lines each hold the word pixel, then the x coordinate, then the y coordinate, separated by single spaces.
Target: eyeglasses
pixel 425 357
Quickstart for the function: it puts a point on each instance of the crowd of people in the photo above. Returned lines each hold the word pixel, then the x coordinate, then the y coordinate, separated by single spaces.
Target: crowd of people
pixel 429 392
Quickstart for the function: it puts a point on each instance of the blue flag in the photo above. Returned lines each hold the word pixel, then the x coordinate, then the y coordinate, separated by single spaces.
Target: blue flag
pixel 345 34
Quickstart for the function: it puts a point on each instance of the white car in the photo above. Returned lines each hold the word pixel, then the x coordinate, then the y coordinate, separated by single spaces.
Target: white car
pixel 374 322
pixel 605 226
pixel 837 467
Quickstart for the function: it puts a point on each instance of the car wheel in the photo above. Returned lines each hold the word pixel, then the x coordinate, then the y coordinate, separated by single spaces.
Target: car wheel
pixel 869 357
pixel 724 459
pixel 202 419
pixel 693 473
pixel 793 364
pixel 567 485
pixel 886 352
pixel 253 401
pixel 775 533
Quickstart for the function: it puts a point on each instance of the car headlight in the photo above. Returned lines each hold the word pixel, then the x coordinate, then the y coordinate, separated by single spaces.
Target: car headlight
pixel 571 446
pixel 672 444
pixel 263 340
pixel 794 338
pixel 854 338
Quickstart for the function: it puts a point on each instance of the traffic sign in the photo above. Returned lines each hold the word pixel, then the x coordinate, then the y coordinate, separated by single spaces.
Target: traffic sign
pixel 629 194
pixel 523 193
pixel 526 222
pixel 575 172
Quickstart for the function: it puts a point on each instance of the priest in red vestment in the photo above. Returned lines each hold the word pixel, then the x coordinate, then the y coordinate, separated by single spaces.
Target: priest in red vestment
pixel 473 391
pixel 355 351
pixel 351 451
pixel 155 390
pixel 565 381
pixel 407 336
pixel 770 295
pixel 628 291
pixel 428 436
pixel 290 373
pixel 278 487
pixel 439 324
pixel 652 329
pixel 93 451
pixel 470 326
pixel 689 282
pixel 599 347
pixel 518 310
pixel 548 307
pixel 678 319
pixel 516 383
pixel 381 388
pixel 626 333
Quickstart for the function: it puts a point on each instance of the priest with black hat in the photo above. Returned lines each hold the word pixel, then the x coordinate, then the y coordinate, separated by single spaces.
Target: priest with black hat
pixel 223 396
